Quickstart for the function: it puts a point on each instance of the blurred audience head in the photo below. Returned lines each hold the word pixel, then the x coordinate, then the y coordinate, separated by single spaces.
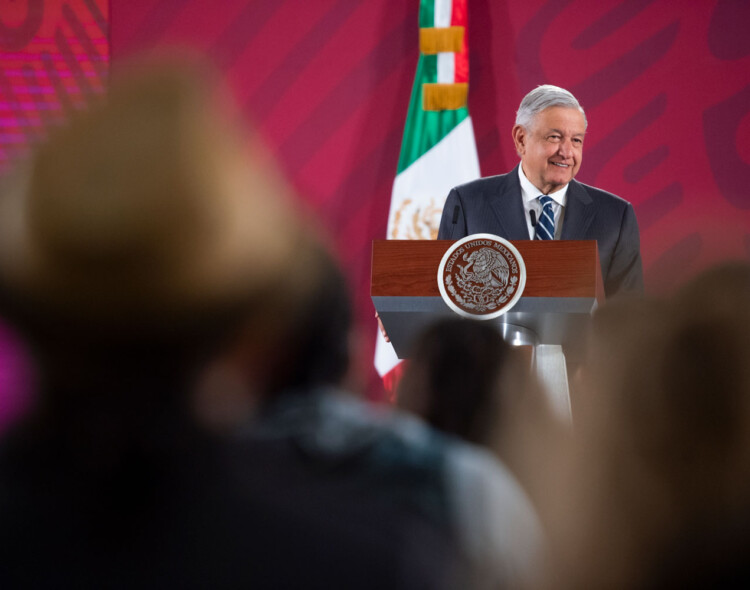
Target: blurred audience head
pixel 302 339
pixel 141 232
pixel 453 378
pixel 662 436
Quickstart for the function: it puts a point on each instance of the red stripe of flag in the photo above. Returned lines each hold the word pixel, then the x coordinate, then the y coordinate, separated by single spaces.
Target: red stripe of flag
pixel 459 18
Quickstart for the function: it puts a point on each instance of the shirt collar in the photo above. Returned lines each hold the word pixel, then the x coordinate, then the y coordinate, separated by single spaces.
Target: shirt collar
pixel 530 193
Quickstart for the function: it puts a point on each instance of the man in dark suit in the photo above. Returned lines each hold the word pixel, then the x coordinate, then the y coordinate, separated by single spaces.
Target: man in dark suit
pixel 540 199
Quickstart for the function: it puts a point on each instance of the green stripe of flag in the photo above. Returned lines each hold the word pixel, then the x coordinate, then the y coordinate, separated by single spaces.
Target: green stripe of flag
pixel 427 13
pixel 424 129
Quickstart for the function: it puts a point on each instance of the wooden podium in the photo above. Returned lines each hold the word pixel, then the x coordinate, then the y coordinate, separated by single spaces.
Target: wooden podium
pixel 563 287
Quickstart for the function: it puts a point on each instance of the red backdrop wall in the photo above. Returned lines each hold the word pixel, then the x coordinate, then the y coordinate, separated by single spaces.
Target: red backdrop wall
pixel 54 56
pixel 665 83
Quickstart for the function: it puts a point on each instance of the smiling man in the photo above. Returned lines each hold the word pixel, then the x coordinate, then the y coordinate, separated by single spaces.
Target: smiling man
pixel 540 199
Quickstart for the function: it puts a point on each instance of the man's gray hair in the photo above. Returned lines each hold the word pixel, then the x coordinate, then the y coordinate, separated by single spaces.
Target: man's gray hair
pixel 544 97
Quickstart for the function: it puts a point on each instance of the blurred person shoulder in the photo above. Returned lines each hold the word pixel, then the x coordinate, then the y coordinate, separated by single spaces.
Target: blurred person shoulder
pixel 391 454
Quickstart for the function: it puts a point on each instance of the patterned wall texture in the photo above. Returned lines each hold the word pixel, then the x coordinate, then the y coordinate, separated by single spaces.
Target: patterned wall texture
pixel 54 56
pixel 666 86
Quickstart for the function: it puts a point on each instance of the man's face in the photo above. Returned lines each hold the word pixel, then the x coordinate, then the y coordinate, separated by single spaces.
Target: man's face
pixel 551 149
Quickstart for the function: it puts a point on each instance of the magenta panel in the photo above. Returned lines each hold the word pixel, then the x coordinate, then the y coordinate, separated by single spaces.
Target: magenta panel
pixel 54 56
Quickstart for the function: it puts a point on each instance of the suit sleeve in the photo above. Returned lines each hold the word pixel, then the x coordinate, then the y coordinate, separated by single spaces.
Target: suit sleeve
pixel 452 223
pixel 626 269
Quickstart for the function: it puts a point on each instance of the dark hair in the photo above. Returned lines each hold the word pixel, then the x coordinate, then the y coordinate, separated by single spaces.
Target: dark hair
pixel 314 344
pixel 453 377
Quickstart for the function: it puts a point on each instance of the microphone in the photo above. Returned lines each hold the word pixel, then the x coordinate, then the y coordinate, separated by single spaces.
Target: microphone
pixel 455 215
pixel 532 214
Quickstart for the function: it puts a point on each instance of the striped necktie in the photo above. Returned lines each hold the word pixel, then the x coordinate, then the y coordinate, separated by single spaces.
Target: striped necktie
pixel 545 227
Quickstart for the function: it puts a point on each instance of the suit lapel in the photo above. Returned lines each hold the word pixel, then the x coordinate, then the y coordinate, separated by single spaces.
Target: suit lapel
pixel 579 213
pixel 507 205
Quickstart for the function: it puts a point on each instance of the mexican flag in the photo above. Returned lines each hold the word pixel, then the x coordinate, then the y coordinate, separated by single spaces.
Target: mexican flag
pixel 438 150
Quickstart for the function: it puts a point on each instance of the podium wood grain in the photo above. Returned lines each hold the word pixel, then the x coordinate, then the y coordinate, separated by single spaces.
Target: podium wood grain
pixel 408 268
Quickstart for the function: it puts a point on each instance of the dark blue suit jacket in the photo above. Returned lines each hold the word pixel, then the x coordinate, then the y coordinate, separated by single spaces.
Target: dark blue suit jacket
pixel 494 205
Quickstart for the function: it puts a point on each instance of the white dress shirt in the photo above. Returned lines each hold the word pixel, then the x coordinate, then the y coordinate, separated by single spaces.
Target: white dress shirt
pixel 530 195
